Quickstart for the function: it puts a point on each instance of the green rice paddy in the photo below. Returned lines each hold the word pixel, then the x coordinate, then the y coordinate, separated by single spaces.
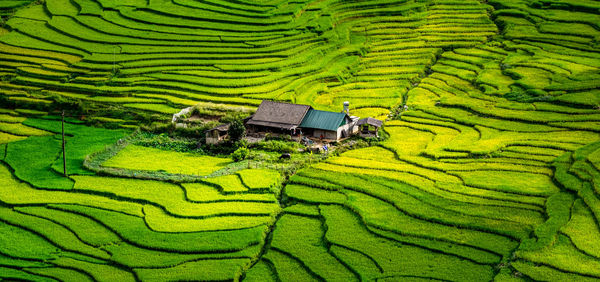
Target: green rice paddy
pixel 143 158
pixel 490 172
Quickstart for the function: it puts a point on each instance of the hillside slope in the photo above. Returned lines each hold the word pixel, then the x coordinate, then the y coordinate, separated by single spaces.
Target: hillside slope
pixel 491 172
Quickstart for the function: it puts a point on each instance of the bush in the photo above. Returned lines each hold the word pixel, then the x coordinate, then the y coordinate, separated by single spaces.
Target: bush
pixel 233 116
pixel 240 154
pixel 237 130
pixel 241 143
pixel 163 141
pixel 279 146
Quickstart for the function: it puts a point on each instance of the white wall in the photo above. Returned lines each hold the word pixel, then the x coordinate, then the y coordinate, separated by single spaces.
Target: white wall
pixel 326 134
pixel 349 128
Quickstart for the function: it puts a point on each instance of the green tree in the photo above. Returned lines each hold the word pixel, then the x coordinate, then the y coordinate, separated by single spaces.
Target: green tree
pixel 237 130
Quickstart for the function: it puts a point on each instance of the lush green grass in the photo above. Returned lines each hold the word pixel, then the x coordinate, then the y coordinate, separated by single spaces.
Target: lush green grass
pixel 564 256
pixel 165 195
pixel 582 229
pixel 259 178
pixel 54 233
pixel 196 270
pixel 60 273
pixel 82 142
pixel 21 130
pixel 260 272
pixel 201 192
pixel 513 182
pixel 13 238
pixel 99 271
pixel 11 119
pixel 31 159
pixel 38 160
pixel 313 195
pixel 543 272
pixel 345 229
pixel 12 273
pixel 160 221
pixel 135 157
pixel 467 179
pixel 133 229
pixel 19 193
pixel 311 250
pixel 228 183
pixel 89 231
pixel 288 268
pixel 7 138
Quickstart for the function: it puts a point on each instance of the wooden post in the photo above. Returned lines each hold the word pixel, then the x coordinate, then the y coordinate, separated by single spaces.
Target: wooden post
pixel 63 145
pixel 114 59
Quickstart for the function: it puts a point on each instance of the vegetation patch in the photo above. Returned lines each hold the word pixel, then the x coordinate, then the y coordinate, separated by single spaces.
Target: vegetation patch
pixel 487 167
pixel 136 157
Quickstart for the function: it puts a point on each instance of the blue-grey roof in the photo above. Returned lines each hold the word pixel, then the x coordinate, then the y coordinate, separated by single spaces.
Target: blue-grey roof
pixel 323 120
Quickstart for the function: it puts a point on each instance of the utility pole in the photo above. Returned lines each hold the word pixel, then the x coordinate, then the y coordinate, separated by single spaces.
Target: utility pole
pixel 114 59
pixel 63 145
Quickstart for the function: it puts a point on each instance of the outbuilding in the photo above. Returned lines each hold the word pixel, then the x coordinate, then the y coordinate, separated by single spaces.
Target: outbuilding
pixel 217 134
pixel 369 127
pixel 296 119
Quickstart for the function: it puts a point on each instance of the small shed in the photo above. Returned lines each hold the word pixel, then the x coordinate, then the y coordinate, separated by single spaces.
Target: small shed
pixel 368 127
pixel 217 134
pixel 328 125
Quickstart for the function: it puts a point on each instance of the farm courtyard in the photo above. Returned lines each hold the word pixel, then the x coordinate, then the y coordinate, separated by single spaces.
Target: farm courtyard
pixel 486 167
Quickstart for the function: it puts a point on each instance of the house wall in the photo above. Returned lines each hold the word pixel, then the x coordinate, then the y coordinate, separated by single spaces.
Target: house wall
pixel 214 137
pixel 326 134
pixel 349 128
pixel 212 140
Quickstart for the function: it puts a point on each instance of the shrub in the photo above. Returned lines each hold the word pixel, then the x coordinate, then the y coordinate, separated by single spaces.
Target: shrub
pixel 279 146
pixel 237 130
pixel 240 154
pixel 241 143
pixel 233 116
pixel 162 141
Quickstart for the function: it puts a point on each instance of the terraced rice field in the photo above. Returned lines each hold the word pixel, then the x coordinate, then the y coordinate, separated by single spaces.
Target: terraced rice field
pixel 491 172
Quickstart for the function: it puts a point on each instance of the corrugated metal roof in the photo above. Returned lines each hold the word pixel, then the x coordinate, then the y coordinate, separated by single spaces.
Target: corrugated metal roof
pixel 323 120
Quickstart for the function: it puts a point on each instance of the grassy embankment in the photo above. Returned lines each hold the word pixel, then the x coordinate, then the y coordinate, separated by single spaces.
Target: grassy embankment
pixel 491 174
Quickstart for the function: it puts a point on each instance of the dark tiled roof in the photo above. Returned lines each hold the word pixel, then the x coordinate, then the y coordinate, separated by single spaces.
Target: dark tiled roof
pixel 370 121
pixel 324 120
pixel 279 115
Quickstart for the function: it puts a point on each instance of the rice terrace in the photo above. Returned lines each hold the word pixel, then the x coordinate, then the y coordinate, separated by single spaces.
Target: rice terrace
pixel 306 140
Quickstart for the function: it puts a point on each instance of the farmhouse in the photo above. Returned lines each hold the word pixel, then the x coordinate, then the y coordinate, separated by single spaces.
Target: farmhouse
pixel 295 119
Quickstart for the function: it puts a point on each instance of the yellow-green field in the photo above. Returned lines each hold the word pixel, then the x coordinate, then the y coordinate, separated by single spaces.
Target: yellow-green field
pixel 144 158
pixel 490 172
